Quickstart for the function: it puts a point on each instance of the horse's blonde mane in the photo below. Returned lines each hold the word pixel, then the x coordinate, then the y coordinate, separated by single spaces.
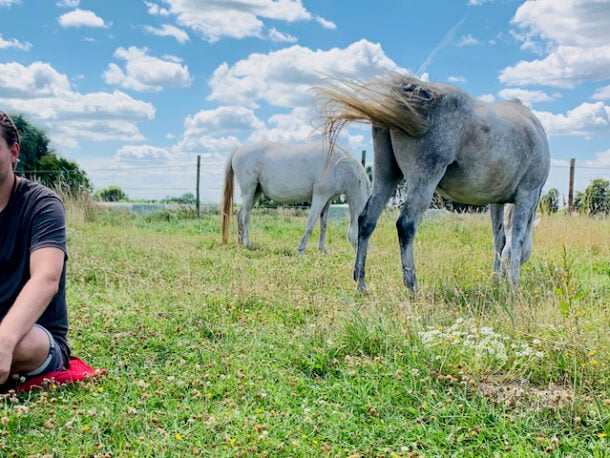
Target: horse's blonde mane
pixel 395 101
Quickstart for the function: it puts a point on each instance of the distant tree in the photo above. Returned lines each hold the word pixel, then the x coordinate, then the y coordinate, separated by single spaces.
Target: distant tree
pixel 34 144
pixel 549 203
pixel 185 199
pixel 596 198
pixel 112 193
pixel 38 162
pixel 60 173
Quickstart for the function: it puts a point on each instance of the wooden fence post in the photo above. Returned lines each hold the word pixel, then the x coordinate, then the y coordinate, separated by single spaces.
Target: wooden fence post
pixel 363 158
pixel 197 202
pixel 571 187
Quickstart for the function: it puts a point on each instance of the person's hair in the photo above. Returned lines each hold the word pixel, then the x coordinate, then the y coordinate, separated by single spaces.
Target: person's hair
pixel 8 129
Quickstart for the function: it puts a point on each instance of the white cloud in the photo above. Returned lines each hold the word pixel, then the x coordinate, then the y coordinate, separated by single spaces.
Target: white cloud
pixel 565 67
pixel 46 98
pixel 572 36
pixel 142 154
pixel 292 127
pixel 81 18
pixel 167 30
pixel 156 10
pixel 276 35
pixel 213 20
pixel 14 43
pixel 580 23
pixel 487 98
pixel 467 40
pixel 456 79
pixel 527 97
pixel 284 78
pixel 146 73
pixel 9 3
pixel 478 2
pixel 38 80
pixel 68 3
pixel 601 160
pixel 209 130
pixel 603 93
pixel 588 119
pixel 325 23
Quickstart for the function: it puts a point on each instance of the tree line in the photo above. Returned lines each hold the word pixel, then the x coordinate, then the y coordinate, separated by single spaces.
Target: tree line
pixel 41 163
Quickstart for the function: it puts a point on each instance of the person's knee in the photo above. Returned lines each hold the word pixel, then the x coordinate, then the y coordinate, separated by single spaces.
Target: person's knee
pixel 32 350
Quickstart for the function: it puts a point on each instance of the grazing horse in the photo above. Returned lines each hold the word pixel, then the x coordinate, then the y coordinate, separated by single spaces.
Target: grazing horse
pixel 440 139
pixel 291 174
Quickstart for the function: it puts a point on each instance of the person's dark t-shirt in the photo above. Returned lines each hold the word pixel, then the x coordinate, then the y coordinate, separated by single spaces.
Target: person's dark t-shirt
pixel 34 218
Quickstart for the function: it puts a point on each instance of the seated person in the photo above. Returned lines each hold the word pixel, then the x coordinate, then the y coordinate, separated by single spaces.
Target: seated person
pixel 33 254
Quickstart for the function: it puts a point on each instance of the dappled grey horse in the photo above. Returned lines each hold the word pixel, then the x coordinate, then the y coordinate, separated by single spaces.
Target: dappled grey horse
pixel 292 174
pixel 440 139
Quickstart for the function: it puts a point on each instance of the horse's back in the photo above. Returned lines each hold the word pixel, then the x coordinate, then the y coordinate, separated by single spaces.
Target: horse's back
pixel 286 173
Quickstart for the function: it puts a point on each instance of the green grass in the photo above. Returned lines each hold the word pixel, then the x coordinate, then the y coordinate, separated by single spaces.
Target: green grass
pixel 216 350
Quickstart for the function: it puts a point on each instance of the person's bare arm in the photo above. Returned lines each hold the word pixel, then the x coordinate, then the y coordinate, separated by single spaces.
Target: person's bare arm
pixel 46 265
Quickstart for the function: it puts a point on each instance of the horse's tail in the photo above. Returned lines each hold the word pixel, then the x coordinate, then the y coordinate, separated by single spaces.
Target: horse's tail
pixel 226 207
pixel 394 101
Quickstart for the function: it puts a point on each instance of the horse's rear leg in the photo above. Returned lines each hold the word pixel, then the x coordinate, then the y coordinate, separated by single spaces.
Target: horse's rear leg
pixel 386 176
pixel 522 225
pixel 243 217
pixel 422 178
pixel 323 227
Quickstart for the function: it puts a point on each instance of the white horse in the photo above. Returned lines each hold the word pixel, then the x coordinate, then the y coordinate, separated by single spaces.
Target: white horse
pixel 291 174
pixel 439 138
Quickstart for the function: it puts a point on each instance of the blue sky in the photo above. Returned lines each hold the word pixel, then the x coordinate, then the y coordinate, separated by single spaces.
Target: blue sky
pixel 134 90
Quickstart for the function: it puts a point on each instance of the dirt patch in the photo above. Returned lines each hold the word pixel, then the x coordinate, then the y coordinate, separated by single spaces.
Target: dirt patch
pixel 520 393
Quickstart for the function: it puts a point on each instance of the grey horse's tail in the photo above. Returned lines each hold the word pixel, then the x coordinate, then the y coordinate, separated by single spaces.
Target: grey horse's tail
pixel 393 101
pixel 226 207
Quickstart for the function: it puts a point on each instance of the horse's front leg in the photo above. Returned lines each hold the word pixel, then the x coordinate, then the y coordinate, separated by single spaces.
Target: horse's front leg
pixel 499 236
pixel 317 205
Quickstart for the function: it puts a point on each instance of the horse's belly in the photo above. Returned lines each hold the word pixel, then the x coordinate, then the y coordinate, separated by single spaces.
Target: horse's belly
pixel 288 191
pixel 474 189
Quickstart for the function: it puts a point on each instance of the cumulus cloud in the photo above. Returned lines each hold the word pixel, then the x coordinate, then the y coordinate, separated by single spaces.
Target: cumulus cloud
pixel 603 93
pixel 213 20
pixel 210 130
pixel 565 67
pixel 14 43
pixel 45 96
pixel 167 30
pixel 572 36
pixel 587 119
pixel 38 80
pixel 142 154
pixel 146 73
pixel 527 97
pixel 9 3
pixel 284 78
pixel 81 18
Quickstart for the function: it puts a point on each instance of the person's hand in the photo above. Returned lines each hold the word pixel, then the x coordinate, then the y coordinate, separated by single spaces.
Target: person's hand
pixel 6 359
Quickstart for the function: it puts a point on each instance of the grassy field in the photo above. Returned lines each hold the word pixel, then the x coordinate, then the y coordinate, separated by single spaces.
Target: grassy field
pixel 222 351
